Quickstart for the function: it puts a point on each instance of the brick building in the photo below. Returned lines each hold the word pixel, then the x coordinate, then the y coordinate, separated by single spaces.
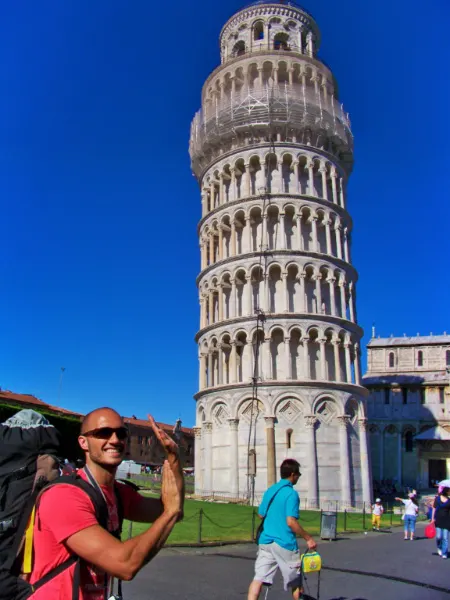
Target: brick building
pixel 142 446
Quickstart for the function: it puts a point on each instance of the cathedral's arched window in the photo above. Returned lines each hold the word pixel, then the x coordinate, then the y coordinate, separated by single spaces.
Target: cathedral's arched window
pixel 420 358
pixel 289 439
pixel 409 441
pixel 391 360
pixel 258 31
pixel 447 358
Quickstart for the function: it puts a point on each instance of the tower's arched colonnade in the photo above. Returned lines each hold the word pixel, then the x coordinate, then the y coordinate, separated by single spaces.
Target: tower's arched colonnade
pixel 272 150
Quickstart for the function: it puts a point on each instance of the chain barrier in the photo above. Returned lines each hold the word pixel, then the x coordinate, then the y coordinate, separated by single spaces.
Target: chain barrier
pixel 246 520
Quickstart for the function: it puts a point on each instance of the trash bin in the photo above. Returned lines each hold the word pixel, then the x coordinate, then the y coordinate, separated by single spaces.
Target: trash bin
pixel 328 526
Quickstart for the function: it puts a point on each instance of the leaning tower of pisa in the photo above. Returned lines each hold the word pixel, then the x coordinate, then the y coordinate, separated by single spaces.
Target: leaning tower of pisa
pixel 278 342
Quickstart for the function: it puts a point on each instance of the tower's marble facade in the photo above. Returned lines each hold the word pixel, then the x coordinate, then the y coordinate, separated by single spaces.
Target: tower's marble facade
pixel 279 341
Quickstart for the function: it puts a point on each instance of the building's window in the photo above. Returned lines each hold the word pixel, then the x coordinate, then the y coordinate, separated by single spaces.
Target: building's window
pixel 441 396
pixel 405 395
pixel 140 439
pixel 386 395
pixel 391 360
pixel 289 439
pixel 408 441
pixel 239 48
pixel 280 41
pixel 189 450
pixel 420 358
pixel 422 396
pixel 258 31
pixel 447 358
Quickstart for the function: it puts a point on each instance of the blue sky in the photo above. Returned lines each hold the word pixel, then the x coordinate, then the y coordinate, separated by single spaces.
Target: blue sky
pixel 99 251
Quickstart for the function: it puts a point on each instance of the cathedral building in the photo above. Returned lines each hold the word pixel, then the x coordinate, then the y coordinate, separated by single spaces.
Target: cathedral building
pixel 279 342
pixel 409 409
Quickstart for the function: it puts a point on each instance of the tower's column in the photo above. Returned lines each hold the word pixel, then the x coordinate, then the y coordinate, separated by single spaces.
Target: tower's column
pixel 312 494
pixel 234 457
pixel 198 460
pixel 345 460
pixel 207 445
pixel 365 464
pixel 271 464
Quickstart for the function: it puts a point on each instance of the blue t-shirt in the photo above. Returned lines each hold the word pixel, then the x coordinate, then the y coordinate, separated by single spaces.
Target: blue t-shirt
pixel 286 504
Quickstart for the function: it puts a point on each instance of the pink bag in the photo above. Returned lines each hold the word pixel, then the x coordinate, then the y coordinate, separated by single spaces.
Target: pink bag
pixel 430 531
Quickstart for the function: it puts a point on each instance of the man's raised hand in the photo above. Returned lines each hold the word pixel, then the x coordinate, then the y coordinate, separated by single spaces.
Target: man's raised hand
pixel 170 494
pixel 169 445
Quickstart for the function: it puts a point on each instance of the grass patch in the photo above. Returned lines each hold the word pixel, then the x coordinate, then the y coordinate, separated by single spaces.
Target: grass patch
pixel 232 522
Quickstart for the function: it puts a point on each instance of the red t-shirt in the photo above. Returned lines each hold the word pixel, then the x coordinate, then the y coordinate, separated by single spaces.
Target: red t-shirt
pixel 63 511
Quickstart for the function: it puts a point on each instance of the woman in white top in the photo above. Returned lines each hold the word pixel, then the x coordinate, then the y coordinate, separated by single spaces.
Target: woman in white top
pixel 411 512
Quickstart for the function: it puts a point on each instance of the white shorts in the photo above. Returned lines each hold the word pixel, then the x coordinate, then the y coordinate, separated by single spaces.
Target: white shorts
pixel 271 557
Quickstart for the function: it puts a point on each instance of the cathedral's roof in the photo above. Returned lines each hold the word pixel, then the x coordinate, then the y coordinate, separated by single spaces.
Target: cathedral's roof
pixel 435 433
pixel 406 379
pixel 418 340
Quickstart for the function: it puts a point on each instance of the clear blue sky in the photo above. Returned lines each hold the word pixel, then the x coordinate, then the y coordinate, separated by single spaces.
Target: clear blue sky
pixel 99 250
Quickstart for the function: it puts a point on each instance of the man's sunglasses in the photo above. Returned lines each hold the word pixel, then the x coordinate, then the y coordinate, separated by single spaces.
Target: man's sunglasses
pixel 105 433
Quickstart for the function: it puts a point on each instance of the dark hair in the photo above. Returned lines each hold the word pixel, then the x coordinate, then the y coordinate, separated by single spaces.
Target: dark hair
pixel 289 466
pixel 445 491
pixel 414 501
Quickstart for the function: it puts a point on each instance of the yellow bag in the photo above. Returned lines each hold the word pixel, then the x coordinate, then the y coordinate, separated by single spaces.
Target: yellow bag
pixel 311 562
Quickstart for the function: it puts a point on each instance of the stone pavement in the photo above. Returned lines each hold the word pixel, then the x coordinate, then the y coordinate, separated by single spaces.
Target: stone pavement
pixel 400 571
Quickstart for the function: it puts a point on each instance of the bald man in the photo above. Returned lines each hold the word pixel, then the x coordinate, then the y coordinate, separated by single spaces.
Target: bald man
pixel 66 524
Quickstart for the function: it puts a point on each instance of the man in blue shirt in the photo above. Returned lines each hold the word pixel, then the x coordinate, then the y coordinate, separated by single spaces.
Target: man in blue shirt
pixel 277 544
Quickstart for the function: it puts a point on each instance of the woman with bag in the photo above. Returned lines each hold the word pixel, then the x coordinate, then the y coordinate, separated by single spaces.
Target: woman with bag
pixel 411 512
pixel 441 518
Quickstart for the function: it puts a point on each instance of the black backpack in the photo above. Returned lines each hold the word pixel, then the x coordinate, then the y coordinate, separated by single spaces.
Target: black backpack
pixel 29 466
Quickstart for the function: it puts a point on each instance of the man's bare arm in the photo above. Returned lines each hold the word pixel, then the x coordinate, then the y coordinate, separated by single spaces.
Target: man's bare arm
pixel 121 559
pixel 124 559
pixel 147 510
pixel 298 530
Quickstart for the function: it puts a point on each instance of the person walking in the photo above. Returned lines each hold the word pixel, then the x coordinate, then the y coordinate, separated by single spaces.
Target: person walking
pixel 441 518
pixel 410 515
pixel 277 543
pixel 66 523
pixel 377 511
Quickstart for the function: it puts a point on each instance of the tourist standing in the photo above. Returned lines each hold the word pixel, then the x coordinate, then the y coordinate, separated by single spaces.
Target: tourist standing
pixel 441 518
pixel 411 512
pixel 377 511
pixel 277 543
pixel 66 525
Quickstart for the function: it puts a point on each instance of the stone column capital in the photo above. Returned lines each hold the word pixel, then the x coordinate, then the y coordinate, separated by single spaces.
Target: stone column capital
pixel 197 432
pixel 331 280
pixel 343 421
pixel 310 421
pixel 234 424
pixel 207 426
pixel 270 422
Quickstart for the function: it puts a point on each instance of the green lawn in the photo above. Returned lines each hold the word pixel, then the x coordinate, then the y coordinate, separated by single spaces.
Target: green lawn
pixel 231 522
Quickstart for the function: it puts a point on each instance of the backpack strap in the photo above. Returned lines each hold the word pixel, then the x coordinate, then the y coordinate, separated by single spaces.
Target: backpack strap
pixel 120 513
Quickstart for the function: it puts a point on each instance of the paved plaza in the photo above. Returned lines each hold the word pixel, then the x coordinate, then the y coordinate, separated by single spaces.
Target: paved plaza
pixel 360 567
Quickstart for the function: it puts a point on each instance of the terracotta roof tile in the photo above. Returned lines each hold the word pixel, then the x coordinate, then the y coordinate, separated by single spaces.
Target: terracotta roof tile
pixel 25 398
pixel 29 399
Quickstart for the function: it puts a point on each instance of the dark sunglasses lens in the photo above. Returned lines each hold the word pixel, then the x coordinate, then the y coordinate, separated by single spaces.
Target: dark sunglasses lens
pixel 104 433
